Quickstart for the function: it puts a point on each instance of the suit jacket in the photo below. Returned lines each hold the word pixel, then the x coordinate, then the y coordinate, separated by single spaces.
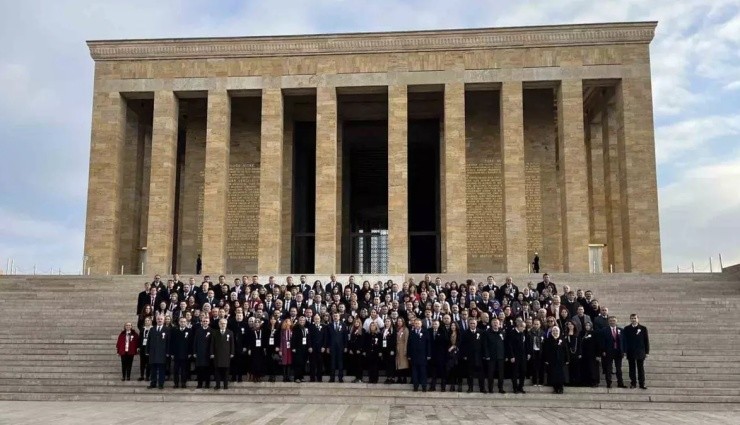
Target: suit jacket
pixel 494 347
pixel 336 340
pixel 158 345
pixel 181 344
pixel 580 324
pixel 516 345
pixel 471 346
pixel 439 343
pixel 143 300
pixel 222 348
pixel 202 346
pixel 636 341
pixel 419 346
pixel 608 341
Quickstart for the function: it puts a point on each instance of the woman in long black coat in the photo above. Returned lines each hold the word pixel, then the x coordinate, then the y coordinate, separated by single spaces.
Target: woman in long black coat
pixel 573 340
pixel 355 348
pixel 590 357
pixel 256 342
pixel 299 344
pixel 388 347
pixel 373 352
pixel 271 335
pixel 556 357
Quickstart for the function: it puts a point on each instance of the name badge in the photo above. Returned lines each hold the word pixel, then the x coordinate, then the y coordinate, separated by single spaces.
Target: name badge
pixel 287 344
pixel 227 337
pixel 144 343
pixel 385 344
pixel 271 341
pixel 186 334
pixel 303 340
pixel 258 343
pixel 242 331
pixel 162 335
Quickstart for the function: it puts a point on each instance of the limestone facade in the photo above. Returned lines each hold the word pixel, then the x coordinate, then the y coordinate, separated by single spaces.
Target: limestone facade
pixel 546 144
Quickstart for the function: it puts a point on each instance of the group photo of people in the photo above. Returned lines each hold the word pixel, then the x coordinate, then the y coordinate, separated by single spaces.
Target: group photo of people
pixel 434 335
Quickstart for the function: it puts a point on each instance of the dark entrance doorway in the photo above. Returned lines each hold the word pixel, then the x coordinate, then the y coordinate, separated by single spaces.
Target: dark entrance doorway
pixel 423 169
pixel 304 197
pixel 365 195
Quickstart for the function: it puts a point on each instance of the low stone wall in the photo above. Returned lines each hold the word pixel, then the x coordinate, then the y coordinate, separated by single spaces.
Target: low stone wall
pixel 732 270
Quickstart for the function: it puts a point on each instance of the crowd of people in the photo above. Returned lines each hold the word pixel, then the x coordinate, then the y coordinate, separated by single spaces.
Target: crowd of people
pixel 439 336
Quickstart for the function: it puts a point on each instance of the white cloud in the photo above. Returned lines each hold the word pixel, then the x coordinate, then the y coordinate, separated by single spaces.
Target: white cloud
pixel 685 137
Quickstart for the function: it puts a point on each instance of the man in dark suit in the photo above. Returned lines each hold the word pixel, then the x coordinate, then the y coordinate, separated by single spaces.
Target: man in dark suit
pixel 336 345
pixel 517 350
pixel 637 348
pixel 202 352
pixel 440 344
pixel 419 351
pixel 613 351
pixel 181 349
pixel 471 351
pixel 333 284
pixel 494 355
pixel 158 348
pixel 144 298
pixel 222 350
pixel 153 299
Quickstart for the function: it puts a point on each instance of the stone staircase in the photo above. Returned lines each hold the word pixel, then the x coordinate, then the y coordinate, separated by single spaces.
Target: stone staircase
pixel 57 342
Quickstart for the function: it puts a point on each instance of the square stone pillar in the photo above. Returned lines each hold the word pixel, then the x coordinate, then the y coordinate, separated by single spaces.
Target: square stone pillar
pixel 103 193
pixel 398 218
pixel 611 187
pixel 573 176
pixel 271 182
pixel 328 210
pixel 216 181
pixel 638 182
pixel 453 190
pixel 161 217
pixel 515 208
pixel 596 192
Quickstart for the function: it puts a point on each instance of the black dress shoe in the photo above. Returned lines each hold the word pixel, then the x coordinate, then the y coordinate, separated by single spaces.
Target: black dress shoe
pixel 423 389
pixel 217 387
pixel 199 386
pixel 443 389
pixel 176 386
pixel 183 386
pixel 522 391
pixel 501 391
pixel 226 386
pixel 123 379
pixel 621 386
pixel 416 389
pixel 151 387
pixel 140 378
pixel 161 387
pixel 341 380
pixel 432 389
pixel 642 387
pixel 331 380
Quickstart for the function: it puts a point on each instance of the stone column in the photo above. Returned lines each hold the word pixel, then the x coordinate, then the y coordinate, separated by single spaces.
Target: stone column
pixel 611 187
pixel 453 191
pixel 573 176
pixel 161 219
pixel 103 194
pixel 271 182
pixel 638 182
pixel 216 181
pixel 515 208
pixel 328 209
pixel 398 219
pixel 596 193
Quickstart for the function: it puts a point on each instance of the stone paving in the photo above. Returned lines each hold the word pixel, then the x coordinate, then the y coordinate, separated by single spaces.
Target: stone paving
pixel 59 413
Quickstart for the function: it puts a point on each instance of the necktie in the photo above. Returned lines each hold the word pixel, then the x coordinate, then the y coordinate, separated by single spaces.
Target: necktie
pixel 614 337
pixel 159 328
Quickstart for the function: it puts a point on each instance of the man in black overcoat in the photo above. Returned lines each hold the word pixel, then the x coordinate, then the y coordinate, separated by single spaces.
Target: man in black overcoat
pixel 158 349
pixel 637 348
pixel 222 351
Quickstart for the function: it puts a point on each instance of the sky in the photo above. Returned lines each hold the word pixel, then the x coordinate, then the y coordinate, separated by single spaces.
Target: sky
pixel 46 77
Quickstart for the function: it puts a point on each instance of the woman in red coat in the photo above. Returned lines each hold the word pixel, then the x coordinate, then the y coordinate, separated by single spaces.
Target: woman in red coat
pixel 286 355
pixel 128 342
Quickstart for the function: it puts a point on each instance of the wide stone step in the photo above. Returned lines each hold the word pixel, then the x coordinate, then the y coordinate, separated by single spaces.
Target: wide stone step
pixel 520 401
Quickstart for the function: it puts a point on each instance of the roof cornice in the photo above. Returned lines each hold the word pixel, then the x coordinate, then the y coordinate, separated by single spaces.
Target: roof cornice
pixel 380 42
